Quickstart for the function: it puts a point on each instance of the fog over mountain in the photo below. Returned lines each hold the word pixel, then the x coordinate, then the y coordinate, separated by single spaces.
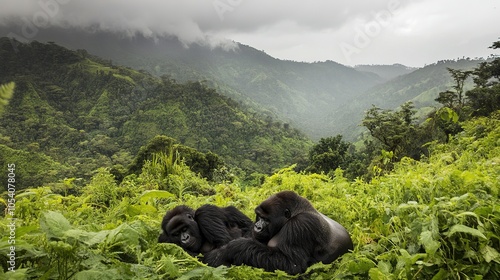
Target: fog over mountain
pixel 348 32
pixel 252 51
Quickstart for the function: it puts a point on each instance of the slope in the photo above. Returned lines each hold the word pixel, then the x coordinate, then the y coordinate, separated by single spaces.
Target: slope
pixel 386 72
pixel 431 219
pixel 300 93
pixel 85 112
pixel 421 86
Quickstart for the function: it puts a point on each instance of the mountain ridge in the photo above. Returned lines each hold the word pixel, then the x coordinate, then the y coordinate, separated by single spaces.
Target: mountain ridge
pixel 296 92
pixel 85 114
pixel 312 97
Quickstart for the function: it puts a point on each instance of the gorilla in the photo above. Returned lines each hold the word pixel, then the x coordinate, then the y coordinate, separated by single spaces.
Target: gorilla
pixel 205 229
pixel 289 235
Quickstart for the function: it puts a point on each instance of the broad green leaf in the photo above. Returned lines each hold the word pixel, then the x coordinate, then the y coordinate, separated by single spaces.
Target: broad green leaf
pixel 490 254
pixel 448 114
pixel 409 259
pixel 97 238
pixel 385 267
pixel 465 229
pixel 376 274
pixel 361 266
pixel 54 224
pixel 468 213
pixel 18 274
pixel 133 210
pixel 80 235
pixel 442 274
pixel 454 117
pixel 123 233
pixel 94 274
pixel 20 231
pixel 147 195
pixel 416 257
pixel 430 245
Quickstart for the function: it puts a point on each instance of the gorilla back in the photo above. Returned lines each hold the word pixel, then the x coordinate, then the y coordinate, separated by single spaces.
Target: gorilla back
pixel 289 235
pixel 203 230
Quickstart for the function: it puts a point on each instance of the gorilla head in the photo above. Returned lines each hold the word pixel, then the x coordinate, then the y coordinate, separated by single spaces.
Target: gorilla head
pixel 273 213
pixel 179 227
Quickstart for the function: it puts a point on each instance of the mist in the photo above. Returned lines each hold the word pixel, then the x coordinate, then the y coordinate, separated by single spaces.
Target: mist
pixel 309 31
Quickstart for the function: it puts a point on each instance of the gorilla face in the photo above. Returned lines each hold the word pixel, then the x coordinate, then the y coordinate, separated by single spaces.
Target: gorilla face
pixel 261 227
pixel 179 227
pixel 271 215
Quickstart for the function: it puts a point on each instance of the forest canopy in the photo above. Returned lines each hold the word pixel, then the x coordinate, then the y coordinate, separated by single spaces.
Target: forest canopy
pixel 83 113
pixel 94 154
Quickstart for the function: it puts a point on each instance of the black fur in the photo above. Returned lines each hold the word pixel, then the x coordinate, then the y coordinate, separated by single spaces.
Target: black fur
pixel 289 235
pixel 205 229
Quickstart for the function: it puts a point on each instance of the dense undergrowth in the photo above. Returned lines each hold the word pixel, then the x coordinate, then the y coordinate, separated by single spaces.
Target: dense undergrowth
pixel 437 218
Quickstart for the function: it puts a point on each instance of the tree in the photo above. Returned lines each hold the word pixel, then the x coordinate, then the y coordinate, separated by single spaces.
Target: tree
pixel 485 97
pixel 158 144
pixel 201 163
pixel 455 98
pixel 484 100
pixel 329 154
pixel 394 129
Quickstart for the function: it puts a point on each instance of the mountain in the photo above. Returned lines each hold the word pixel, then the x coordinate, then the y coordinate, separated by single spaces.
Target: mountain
pixel 420 86
pixel 84 112
pixel 321 99
pixel 386 72
pixel 302 94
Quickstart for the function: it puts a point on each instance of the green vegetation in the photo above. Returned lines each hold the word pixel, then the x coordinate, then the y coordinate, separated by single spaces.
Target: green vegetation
pixel 301 94
pixel 84 113
pixel 421 199
pixel 321 99
pixel 398 134
pixel 435 218
pixel 420 87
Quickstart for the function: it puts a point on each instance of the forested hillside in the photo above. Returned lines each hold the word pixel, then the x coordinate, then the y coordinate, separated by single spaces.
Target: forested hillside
pixel 298 93
pixel 321 99
pixel 386 72
pixel 432 219
pixel 72 113
pixel 421 87
pixel 94 154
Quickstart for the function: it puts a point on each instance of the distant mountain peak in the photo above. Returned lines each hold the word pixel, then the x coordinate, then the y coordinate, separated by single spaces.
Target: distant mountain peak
pixel 386 71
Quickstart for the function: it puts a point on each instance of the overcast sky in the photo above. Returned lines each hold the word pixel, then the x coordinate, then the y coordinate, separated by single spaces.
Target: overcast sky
pixel 411 32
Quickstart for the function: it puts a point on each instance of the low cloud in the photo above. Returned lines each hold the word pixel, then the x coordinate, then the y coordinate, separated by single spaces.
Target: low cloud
pixel 189 20
pixel 287 29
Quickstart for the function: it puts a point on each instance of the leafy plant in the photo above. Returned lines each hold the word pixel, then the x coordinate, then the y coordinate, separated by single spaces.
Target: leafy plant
pixel 433 217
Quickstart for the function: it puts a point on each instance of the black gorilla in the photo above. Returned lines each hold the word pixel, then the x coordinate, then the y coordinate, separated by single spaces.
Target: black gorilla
pixel 289 235
pixel 205 229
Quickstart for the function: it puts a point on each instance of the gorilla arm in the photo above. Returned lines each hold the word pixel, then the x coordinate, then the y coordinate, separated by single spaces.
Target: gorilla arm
pixel 210 220
pixel 288 250
pixel 253 253
pixel 239 224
